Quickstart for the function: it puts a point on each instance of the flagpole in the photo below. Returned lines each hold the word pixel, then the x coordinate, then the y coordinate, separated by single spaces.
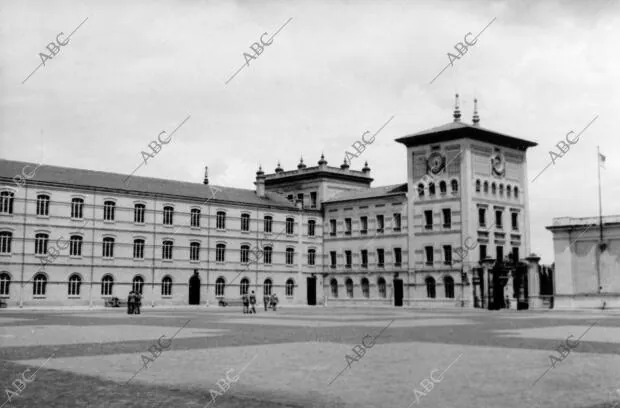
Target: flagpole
pixel 600 218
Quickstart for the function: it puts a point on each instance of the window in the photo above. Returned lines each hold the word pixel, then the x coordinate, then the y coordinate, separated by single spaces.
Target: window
pixel 311 228
pixel 382 288
pixel 380 258
pixel 455 186
pixel 6 202
pixel 220 285
pixel 74 285
pixel 348 258
pixel 220 252
pixel 398 257
pixel 493 189
pixel 428 218
pixel 380 223
pixel 515 254
pixel 267 287
pixel 515 221
pixel 420 190
pixel 364 258
pixel 499 254
pixel 498 219
pixel 483 252
pixel 501 190
pixel 482 219
pixel 168 213
pixel 220 220
pixel 244 286
pixel 5 283
pixel 349 286
pixel 431 189
pixel 333 284
pixel 363 225
pixel 194 218
pixel 312 200
pixel 396 221
pixel 508 191
pixel 448 284
pixel 75 245
pixel 447 218
pixel 443 187
pixel 138 213
pixel 107 282
pixel 486 187
pixel 245 222
pixel 447 254
pixel 429 255
pixel 332 227
pixel 290 197
pixel 365 288
pixel 77 208
pixel 138 249
pixel 166 250
pixel 39 285
pixel 477 186
pixel 267 223
pixel 43 204
pixel 244 256
pixel 347 226
pixel 516 192
pixel 290 226
pixel 166 286
pixel 430 287
pixel 290 256
pixel 108 210
pixel 108 247
pixel 137 283
pixel 40 243
pixel 300 197
pixel 194 251
pixel 311 256
pixel 333 259
pixel 5 242
pixel 289 288
pixel 267 255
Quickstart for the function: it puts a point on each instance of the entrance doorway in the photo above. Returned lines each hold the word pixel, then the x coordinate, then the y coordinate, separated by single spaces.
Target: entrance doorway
pixel 311 285
pixel 398 292
pixel 194 289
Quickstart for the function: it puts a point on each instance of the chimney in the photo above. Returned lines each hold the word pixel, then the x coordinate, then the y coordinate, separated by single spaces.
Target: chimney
pixel 260 182
pixel 206 180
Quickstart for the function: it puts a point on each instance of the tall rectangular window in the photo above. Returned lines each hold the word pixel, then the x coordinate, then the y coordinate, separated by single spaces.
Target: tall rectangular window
pixel 311 256
pixel 364 254
pixel 363 225
pixel 313 199
pixel 428 219
pixel 220 220
pixel 515 221
pixel 311 228
pixel 6 202
pixel 220 252
pixel 380 258
pixel 396 219
pixel 40 243
pixel 75 245
pixel 333 259
pixel 194 251
pixel 166 250
pixel 483 252
pixel 138 213
pixel 515 254
pixel 168 213
pixel 43 204
pixel 482 217
pixel 398 256
pixel 5 242
pixel 499 253
pixel 77 208
pixel 244 254
pixel 348 259
pixel 290 256
pixel 245 222
pixel 108 210
pixel 447 254
pixel 138 249
pixel 195 217
pixel 498 219
pixel 108 247
pixel 267 223
pixel 447 218
pixel 428 250
pixel 300 197
pixel 332 227
pixel 380 223
pixel 347 226
pixel 290 226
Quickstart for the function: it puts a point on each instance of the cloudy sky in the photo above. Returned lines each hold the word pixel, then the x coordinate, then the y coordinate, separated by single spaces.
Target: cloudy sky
pixel 337 69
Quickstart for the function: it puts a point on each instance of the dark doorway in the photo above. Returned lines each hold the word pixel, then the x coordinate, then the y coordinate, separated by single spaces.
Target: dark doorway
pixel 398 292
pixel 311 283
pixel 520 284
pixel 194 289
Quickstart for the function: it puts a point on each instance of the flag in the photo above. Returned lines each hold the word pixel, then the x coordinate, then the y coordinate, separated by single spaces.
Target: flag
pixel 601 160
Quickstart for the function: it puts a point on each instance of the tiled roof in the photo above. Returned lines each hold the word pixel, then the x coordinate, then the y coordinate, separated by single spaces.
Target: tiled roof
pixel 375 192
pixel 111 182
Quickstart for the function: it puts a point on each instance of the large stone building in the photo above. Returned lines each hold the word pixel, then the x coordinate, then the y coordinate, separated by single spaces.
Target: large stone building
pixel 314 235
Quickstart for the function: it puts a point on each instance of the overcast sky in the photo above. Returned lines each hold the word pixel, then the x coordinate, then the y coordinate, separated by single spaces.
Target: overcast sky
pixel 337 69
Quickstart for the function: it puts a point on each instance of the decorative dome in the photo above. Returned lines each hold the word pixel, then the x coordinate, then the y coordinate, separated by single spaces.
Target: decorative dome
pixel 344 164
pixel 279 169
pixel 260 171
pixel 322 161
pixel 366 169
pixel 301 164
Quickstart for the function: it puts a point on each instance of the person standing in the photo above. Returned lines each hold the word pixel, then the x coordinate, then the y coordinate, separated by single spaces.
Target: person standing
pixel 274 301
pixel 253 302
pixel 266 299
pixel 138 302
pixel 130 302
pixel 246 303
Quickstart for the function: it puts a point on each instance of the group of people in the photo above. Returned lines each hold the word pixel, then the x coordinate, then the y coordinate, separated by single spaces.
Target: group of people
pixel 249 302
pixel 134 301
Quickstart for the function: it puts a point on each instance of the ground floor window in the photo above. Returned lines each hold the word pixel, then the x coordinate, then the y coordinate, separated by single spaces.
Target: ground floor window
pixel 5 282
pixel 290 287
pixel 365 288
pixel 430 287
pixel 220 284
pixel 39 285
pixel 74 285
pixel 382 288
pixel 166 286
pixel 448 284
pixel 137 284
pixel 334 288
pixel 245 285
pixel 106 285
pixel 349 286
pixel 267 287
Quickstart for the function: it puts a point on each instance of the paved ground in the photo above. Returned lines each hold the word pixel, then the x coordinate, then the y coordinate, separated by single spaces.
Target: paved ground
pixel 292 358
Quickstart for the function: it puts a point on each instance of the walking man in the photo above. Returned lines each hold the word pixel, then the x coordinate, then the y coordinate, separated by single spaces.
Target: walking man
pixel 246 303
pixel 138 302
pixel 130 302
pixel 253 302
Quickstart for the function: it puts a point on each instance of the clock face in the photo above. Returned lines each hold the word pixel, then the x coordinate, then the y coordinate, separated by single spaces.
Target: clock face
pixel 436 162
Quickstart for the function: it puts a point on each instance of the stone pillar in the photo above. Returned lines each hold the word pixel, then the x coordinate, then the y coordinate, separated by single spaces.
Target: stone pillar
pixel 533 282
pixel 509 291
pixel 487 263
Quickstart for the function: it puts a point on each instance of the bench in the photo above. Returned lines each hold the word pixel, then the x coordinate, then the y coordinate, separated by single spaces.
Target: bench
pixel 230 302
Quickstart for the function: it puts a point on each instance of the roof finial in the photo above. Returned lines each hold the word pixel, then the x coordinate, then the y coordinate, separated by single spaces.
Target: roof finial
pixel 476 119
pixel 322 161
pixel 457 111
pixel 301 164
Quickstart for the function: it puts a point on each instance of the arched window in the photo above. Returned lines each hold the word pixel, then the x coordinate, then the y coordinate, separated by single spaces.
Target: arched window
pixel 5 283
pixel 220 285
pixel 516 192
pixel 166 286
pixel 138 249
pixel 365 288
pixel 267 255
pixel 108 247
pixel 311 228
pixel 290 287
pixel 508 191
pixel 431 189
pixel 485 187
pixel 477 186
pixel 245 285
pixel 245 222
pixel 39 285
pixel 74 285
pixel 267 287
pixel 245 254
pixel 220 220
pixel 382 288
pixel 267 223
pixel 290 226
pixel 77 208
pixel 420 190
pixel 194 251
pixel 448 284
pixel 138 213
pixel 195 217
pixel 6 202
pixel 493 189
pixel 137 283
pixel 6 238
pixel 311 256
pixel 455 186
pixel 290 256
pixel 443 187
pixel 108 210
pixel 430 287
pixel 107 282
pixel 75 245
pixel 333 284
pixel 168 214
pixel 349 285
pixel 40 243
pixel 166 250
pixel 220 252
pixel 43 204
pixel 501 190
